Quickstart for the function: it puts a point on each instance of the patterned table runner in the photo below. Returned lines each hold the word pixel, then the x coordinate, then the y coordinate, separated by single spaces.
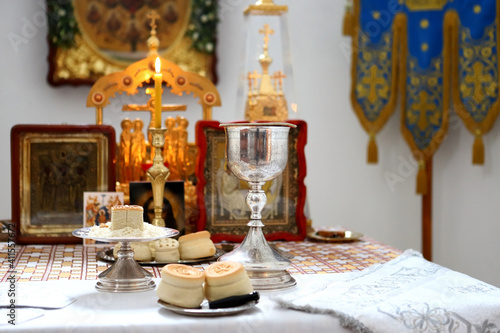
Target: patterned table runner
pixel 78 262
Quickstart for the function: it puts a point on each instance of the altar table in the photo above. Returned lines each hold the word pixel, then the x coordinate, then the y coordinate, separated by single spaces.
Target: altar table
pixel 73 270
pixel 78 262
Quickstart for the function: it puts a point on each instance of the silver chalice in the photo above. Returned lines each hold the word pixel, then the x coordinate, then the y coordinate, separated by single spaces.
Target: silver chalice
pixel 257 153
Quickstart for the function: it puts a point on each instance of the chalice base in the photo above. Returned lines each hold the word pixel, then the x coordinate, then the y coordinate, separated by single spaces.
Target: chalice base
pixel 270 280
pixel 265 267
pixel 125 275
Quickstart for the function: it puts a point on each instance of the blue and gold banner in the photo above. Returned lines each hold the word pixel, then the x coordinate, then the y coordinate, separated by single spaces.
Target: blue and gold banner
pixel 430 53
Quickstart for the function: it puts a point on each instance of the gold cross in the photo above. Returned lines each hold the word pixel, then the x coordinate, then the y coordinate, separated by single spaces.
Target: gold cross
pixel 373 81
pixel 422 107
pixel 153 16
pixel 479 79
pixel 252 78
pixel 266 32
pixel 151 107
pixel 279 76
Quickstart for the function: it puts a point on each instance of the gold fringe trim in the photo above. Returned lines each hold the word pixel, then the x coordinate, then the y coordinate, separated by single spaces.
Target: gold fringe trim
pixel 421 178
pixel 372 154
pixel 348 24
pixel 478 149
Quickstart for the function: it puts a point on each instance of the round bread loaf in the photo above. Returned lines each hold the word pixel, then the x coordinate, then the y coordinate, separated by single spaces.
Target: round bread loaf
pixel 142 252
pixel 166 250
pixel 196 245
pixel 226 278
pixel 181 285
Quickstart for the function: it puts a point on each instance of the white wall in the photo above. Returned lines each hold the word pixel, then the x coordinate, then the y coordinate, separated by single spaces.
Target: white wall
pixel 342 188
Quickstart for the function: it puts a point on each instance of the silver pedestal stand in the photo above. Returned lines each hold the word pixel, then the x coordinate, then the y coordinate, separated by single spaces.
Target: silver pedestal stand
pixel 257 153
pixel 125 275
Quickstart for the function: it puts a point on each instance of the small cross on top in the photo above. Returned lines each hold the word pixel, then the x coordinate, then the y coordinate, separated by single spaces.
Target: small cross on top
pixel 153 16
pixel 266 32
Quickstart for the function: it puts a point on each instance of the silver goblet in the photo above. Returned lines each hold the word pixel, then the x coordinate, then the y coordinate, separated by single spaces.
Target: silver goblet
pixel 257 153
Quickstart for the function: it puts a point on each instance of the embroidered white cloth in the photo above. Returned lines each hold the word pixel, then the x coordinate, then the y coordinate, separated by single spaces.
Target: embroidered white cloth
pixel 407 294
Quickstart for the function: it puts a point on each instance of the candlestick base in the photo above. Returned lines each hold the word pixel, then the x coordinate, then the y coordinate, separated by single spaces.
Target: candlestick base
pixel 158 174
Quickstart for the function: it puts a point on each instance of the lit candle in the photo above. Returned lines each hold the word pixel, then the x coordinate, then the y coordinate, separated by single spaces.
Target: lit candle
pixel 158 81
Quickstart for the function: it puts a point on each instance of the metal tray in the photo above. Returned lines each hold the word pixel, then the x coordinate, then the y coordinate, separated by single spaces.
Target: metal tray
pixel 205 311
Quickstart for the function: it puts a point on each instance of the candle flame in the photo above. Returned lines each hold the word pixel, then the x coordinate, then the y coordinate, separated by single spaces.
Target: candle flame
pixel 158 65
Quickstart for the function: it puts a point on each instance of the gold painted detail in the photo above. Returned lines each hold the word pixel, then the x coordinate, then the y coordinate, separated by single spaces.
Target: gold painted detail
pixel 477 9
pixel 424 23
pixel 177 153
pixel 266 99
pixel 265 7
pixel 478 75
pixel 150 107
pixel 424 111
pixel 373 75
pixel 416 5
pixel 134 150
pixel 81 62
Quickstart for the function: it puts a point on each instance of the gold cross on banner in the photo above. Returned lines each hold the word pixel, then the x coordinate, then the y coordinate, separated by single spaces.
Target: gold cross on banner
pixel 422 107
pixel 480 79
pixel 150 107
pixel 373 81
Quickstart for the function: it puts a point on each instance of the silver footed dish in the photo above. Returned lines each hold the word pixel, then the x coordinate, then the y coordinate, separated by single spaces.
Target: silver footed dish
pixel 166 233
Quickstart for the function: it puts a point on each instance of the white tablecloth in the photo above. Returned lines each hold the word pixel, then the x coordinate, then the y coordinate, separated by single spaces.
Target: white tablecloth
pixel 406 295
pixel 97 312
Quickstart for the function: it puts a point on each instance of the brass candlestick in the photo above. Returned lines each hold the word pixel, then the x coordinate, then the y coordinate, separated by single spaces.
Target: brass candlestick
pixel 158 174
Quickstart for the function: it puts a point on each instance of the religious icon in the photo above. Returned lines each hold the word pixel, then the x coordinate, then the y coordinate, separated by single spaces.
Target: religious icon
pixel 97 208
pixel 124 174
pixel 141 193
pixel 137 150
pixel 170 147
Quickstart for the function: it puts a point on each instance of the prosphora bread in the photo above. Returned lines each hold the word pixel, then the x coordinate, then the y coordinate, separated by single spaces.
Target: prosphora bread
pixel 224 279
pixel 124 216
pixel 165 250
pixel 126 222
pixel 196 245
pixel 181 285
pixel 142 251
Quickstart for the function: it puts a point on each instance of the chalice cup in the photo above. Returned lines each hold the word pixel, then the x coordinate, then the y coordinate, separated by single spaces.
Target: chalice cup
pixel 257 153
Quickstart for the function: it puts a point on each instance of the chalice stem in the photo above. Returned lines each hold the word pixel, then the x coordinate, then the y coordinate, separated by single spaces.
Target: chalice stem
pixel 256 200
